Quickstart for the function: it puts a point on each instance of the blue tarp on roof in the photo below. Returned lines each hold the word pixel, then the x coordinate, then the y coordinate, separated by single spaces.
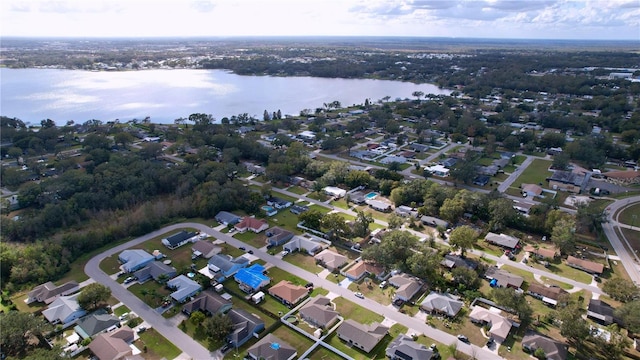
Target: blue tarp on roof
pixel 252 276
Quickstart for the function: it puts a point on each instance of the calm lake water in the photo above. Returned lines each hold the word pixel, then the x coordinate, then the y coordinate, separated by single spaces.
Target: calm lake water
pixel 165 95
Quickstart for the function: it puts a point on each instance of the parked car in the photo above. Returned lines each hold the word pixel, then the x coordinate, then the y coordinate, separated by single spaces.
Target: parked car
pixel 285 253
pixel 142 329
pixel 242 248
pixel 463 338
pixel 359 295
pixel 250 251
pixel 129 280
pixel 225 348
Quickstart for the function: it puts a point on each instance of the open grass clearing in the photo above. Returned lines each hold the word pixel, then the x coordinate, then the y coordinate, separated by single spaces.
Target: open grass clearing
pixel 304 261
pixel 536 173
pixel 351 310
pixel 158 347
pixel 626 216
pixel 297 190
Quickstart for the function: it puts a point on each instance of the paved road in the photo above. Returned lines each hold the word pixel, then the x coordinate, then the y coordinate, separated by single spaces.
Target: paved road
pixel 155 320
pixel 197 351
pixel 514 175
pixel 629 259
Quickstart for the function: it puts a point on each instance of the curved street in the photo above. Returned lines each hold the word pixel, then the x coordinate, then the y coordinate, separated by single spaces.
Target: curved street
pixel 629 259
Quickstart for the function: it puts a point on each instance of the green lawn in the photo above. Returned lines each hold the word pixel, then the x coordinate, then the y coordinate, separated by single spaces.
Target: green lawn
pixel 351 310
pixel 298 190
pixel 298 341
pixel 120 310
pixel 519 159
pixel 537 172
pixel 304 261
pixel 626 216
pixel 110 265
pixel 158 346
pixel 151 293
pixel 286 220
pixel 251 238
pixel 319 208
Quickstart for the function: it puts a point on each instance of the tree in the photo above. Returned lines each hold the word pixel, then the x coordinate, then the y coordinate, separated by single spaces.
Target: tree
pixel 452 209
pixel 563 235
pixel 123 138
pixel 424 264
pixel 20 331
pixel 218 326
pixel 502 214
pixel 573 326
pixel 395 221
pixel 311 218
pixel 614 345
pixel 197 317
pixel 362 222
pixel 394 250
pixel 93 295
pixel 151 150
pixel 591 216
pixel 464 171
pixel 629 313
pixel 463 238
pixel 510 299
pixel 466 277
pixel 621 289
pixel 335 225
pixel 55 353
pixel 560 161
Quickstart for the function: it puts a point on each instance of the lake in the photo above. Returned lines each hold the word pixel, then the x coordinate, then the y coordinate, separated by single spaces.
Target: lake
pixel 165 95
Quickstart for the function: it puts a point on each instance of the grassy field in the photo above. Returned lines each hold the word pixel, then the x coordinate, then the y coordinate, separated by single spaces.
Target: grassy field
pixel 120 310
pixel 298 190
pixel 298 341
pixel 633 237
pixel 372 291
pixel 304 261
pixel 626 216
pixel 351 310
pixel 537 172
pixel 158 347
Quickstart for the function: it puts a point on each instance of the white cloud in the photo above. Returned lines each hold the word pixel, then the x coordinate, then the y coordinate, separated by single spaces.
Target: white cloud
pixel 472 18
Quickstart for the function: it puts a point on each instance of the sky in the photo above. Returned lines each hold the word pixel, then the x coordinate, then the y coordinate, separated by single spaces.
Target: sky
pixel 536 19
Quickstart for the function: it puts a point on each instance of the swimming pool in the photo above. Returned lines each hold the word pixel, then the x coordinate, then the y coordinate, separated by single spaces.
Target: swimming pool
pixel 370 196
pixel 269 210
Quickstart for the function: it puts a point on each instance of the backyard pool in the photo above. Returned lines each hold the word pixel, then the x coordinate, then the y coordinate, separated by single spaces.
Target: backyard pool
pixel 269 210
pixel 370 196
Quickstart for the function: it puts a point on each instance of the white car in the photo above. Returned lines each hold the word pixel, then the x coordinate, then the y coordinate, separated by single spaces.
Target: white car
pixel 359 295
pixel 285 253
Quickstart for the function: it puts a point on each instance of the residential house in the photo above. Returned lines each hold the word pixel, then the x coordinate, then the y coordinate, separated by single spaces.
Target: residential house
pixel 481 180
pixel 64 310
pixel 95 323
pixel 226 218
pixel 223 266
pixel 548 294
pixel 541 253
pixel 184 288
pixel 434 221
pixel 442 303
pixel 601 312
pixel 272 348
pixel 245 326
pixel 156 270
pixel 403 347
pixel 49 292
pixel 208 302
pixel 499 325
pixel 451 261
pixel 623 178
pixel 298 209
pixel 568 181
pixel 113 345
pixel 585 265
pixel 406 286
pixel 522 206
pixel 252 279
pixel 406 211
pixel 502 240
pixel 134 259
pixel 419 147
pixel 502 278
pixel 331 260
pixel 254 168
pixel 357 197
pixel 437 170
pixel 364 268
pixel 553 350
pixel 288 293
pixel 363 336
pixel 253 224
pixel 277 236
pixel 278 203
pixel 178 239
pixel 335 191
pixel 205 248
pixel 501 163
pixel 448 162
pixel 309 243
pixel 319 312
pixel 531 190
pixel 379 205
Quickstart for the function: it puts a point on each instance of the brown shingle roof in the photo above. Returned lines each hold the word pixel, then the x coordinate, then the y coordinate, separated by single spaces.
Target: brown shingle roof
pixel 289 292
pixel 586 265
